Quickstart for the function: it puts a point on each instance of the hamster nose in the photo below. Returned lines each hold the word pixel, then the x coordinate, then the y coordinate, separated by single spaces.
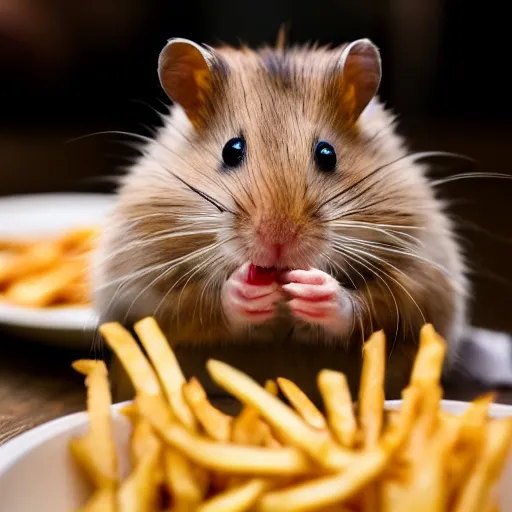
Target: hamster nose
pixel 276 233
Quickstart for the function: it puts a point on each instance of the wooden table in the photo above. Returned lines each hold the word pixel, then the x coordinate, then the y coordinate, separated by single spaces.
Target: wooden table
pixel 37 384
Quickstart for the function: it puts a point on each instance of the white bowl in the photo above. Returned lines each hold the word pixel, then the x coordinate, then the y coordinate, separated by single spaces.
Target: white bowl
pixel 30 216
pixel 38 473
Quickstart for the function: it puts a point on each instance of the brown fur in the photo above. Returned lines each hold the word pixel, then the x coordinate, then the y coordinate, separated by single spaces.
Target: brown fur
pixel 282 102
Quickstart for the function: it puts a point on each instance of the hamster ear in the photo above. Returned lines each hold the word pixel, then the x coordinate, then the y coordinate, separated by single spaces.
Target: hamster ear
pixel 185 72
pixel 361 73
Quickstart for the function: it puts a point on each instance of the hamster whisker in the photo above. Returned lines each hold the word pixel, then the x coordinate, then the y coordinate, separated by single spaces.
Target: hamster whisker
pixel 375 272
pixel 210 282
pixel 204 195
pixel 156 267
pixel 209 262
pixel 339 268
pixel 391 249
pixel 172 265
pixel 470 175
pixel 389 276
pixel 391 233
pixel 148 241
pixel 369 210
pixel 125 279
pixel 148 140
pixel 191 273
pixel 362 301
pixel 409 156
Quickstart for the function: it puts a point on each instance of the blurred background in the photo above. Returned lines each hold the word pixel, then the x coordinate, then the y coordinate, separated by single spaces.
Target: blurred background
pixel 70 68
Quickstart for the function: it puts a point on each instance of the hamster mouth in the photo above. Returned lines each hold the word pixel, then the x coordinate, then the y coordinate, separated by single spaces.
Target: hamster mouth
pixel 261 275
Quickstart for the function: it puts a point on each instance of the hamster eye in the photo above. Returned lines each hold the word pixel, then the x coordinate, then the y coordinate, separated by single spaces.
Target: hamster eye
pixel 325 156
pixel 234 152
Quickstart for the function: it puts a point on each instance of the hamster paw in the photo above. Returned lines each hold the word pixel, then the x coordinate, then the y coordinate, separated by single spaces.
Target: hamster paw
pixel 317 298
pixel 246 303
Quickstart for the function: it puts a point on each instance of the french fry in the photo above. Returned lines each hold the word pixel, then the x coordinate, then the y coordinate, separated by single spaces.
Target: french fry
pixel 248 428
pixel 488 467
pixel 371 392
pixel 302 404
pixel 236 499
pixel 231 458
pixel 339 407
pixel 328 490
pixel 35 259
pixel 467 440
pixel 216 424
pixel 150 399
pixel 137 366
pixel 103 500
pixel 428 364
pixel 76 292
pixel 95 451
pixel 271 387
pixel 48 272
pixel 140 491
pixel 167 367
pixel 143 440
pixel 40 290
pixel 285 420
pixel 78 239
pixel 371 404
pixel 187 492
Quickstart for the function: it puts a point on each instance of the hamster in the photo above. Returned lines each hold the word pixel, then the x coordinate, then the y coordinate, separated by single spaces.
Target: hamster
pixel 281 158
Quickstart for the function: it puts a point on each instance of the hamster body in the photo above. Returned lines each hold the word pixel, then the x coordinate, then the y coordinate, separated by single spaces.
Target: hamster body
pixel 281 158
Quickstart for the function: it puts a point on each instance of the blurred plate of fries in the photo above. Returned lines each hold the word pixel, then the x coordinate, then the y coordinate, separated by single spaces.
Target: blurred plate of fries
pixel 172 449
pixel 45 246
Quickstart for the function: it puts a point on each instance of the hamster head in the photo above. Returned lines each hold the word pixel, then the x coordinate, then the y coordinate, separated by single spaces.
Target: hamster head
pixel 284 158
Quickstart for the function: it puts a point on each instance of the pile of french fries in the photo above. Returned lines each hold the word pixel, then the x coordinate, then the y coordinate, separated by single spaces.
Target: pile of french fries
pixel 47 272
pixel 286 455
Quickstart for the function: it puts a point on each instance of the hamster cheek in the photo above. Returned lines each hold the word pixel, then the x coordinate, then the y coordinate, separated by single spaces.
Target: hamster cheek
pixel 246 304
pixel 317 298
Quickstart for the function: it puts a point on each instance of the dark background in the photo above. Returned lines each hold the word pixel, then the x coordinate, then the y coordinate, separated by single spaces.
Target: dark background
pixel 71 68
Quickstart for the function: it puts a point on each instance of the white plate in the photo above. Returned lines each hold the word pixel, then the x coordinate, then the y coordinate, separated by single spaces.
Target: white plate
pixel 38 473
pixel 51 214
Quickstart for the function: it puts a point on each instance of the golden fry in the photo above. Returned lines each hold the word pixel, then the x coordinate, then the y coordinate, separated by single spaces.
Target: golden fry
pixel 428 364
pixel 339 407
pixel 41 290
pixel 271 387
pixel 237 499
pixel 231 458
pixel 215 423
pixel 487 467
pixel 302 404
pixel 371 391
pixel 103 500
pixel 248 428
pixel 328 490
pixel 137 366
pixel 35 259
pixel 78 240
pixel 167 367
pixel 95 451
pixel 281 417
pixel 186 490
pixel 140 491
pixel 49 272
